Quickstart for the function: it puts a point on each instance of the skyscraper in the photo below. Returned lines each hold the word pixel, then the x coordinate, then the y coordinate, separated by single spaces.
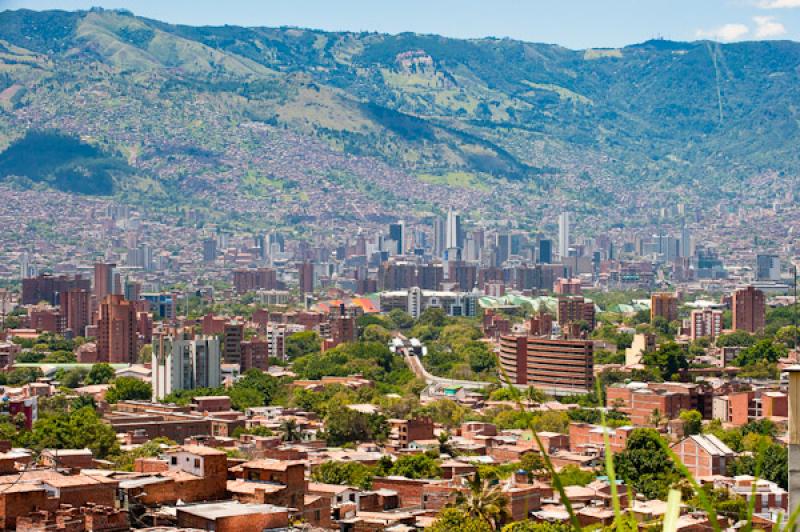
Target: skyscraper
pixel 306 277
pixel 209 250
pixel 546 251
pixel 103 280
pixel 563 235
pixel 748 305
pixel 116 331
pixel 397 232
pixel 24 265
pixel 768 268
pixel 439 237
pixel 185 363
pixel 454 238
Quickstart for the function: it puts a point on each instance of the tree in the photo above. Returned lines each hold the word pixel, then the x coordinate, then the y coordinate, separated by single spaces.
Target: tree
pixel 400 319
pixel 23 375
pixel 126 460
pixel 73 378
pixel 129 389
pixel 530 526
pixel 302 343
pixel 646 465
pixel 243 398
pixel 736 339
pixel 479 356
pixel 484 500
pixel 344 473
pixel 345 425
pixel 451 519
pixel 417 466
pixel 692 422
pixel 432 316
pixel 667 360
pixel 376 333
pixel 76 429
pixel 291 432
pixel 533 463
pixel 763 351
pixel 572 475
pixel 101 373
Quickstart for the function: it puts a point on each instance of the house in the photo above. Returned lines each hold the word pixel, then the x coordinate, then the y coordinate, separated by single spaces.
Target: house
pixel 704 455
pixel 232 516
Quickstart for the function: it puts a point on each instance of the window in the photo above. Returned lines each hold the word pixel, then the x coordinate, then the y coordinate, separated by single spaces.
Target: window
pixel 197 463
pixel 174 460
pixel 317 515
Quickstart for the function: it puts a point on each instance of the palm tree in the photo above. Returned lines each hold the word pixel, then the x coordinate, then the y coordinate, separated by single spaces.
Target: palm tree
pixel 291 432
pixel 484 500
pixel 656 418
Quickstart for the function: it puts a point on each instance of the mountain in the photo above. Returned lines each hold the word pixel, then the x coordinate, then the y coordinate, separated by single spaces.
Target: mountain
pixel 269 116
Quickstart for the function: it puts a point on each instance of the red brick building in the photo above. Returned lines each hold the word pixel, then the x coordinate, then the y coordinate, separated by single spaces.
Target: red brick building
pixel 749 310
pixel 556 366
pixel 704 455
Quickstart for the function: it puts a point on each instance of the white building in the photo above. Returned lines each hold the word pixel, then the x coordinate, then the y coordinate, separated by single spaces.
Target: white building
pixel 183 363
pixel 563 234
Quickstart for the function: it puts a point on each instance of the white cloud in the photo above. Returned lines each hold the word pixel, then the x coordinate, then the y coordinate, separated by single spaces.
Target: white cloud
pixel 725 33
pixel 778 4
pixel 768 27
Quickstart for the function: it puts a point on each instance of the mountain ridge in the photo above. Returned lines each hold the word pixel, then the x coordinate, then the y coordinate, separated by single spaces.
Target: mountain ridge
pixel 679 119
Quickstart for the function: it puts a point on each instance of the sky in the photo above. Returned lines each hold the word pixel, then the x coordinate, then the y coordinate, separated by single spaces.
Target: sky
pixel 571 23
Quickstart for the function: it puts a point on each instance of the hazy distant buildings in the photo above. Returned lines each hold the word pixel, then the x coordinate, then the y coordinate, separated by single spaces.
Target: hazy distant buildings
pixel 306 277
pixel 104 280
pixel 209 250
pixel 546 251
pixel 768 268
pixel 439 236
pixel 397 233
pixel 749 309
pixel 49 288
pixel 455 235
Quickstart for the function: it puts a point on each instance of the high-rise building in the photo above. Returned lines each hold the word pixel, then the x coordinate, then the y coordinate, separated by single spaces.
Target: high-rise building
pixel 563 235
pixel 24 265
pixel 687 249
pixel 705 323
pixel 76 308
pixel 254 279
pixel 184 362
pixel 768 268
pixel 559 367
pixel 232 337
pixel 573 309
pixel 503 242
pixel 749 309
pixel 49 288
pixel 397 233
pixel 104 280
pixel 546 251
pixel 439 236
pixel 117 341
pixel 455 235
pixel 306 277
pixel 209 250
pixel 663 305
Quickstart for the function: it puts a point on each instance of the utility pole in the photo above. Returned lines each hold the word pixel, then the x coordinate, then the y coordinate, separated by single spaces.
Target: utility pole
pixel 794 437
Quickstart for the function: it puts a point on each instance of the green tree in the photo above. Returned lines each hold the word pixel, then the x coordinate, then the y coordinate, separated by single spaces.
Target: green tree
pixel 432 316
pixel 451 519
pixel 646 465
pixel 417 466
pixel 344 473
pixel 291 432
pixel 76 429
pixel 125 461
pixel 243 398
pixel 572 475
pixel 345 425
pixel 530 526
pixel 376 333
pixel 763 351
pixel 400 319
pixel 736 339
pixel 101 373
pixel 302 343
pixel 667 360
pixel 129 389
pixel 484 500
pixel 692 422
pixel 73 378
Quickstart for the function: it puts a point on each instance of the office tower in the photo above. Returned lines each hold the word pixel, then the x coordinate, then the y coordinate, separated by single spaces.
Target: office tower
pixel 48 288
pixel 232 336
pixel 574 309
pixel 439 236
pixel 455 237
pixel 558 367
pixel 116 331
pixel 705 323
pixel 397 234
pixel 104 280
pixel 768 268
pixel 306 277
pixel 749 310
pixel 24 265
pixel 132 291
pixel 563 235
pixel 209 250
pixel 252 280
pixel 663 305
pixel 184 362
pixel 503 243
pixel 277 242
pixel 686 243
pixel 546 251
pixel 260 242
pixel 75 307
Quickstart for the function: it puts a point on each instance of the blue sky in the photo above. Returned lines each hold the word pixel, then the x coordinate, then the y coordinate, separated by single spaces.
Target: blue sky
pixel 571 23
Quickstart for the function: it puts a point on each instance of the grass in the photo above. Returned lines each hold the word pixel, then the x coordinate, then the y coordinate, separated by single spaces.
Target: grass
pixel 564 94
pixel 456 179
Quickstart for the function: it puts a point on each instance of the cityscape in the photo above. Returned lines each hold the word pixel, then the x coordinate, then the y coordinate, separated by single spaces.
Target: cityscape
pixel 283 279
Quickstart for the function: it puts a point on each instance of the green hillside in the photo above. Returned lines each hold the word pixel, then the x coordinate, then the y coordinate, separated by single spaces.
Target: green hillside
pixel 691 118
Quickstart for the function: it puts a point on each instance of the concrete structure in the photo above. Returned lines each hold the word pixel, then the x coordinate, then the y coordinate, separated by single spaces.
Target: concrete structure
pixel 706 323
pixel 749 310
pixel 555 366
pixel 563 235
pixel 183 362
